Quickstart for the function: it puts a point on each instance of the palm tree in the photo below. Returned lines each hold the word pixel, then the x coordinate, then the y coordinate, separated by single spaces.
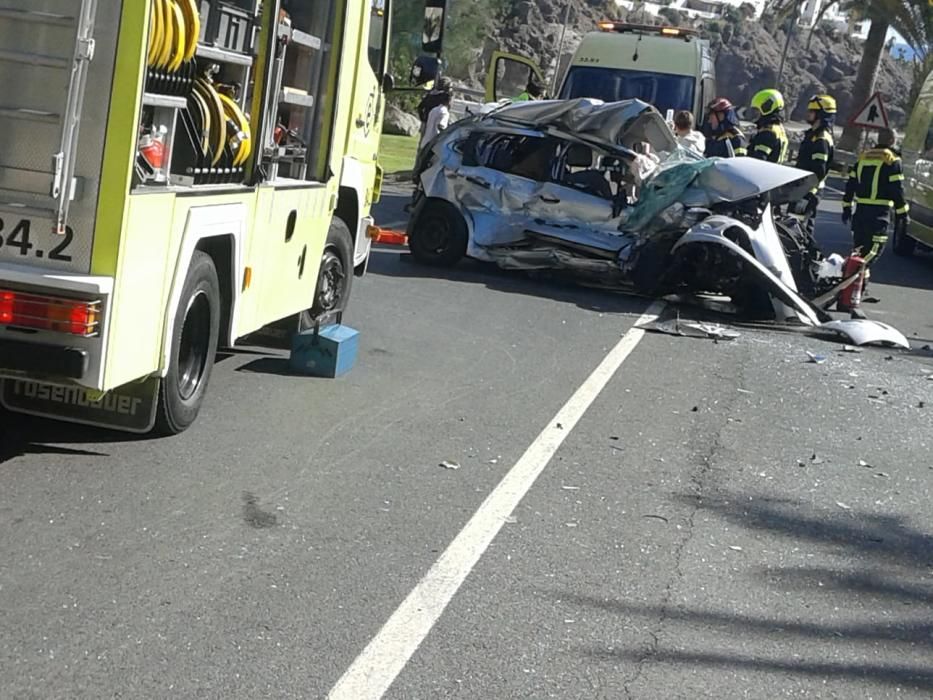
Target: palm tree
pixel 865 79
pixel 912 20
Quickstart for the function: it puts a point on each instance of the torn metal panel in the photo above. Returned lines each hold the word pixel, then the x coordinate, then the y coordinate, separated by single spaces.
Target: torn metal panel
pixel 593 241
pixel 867 332
pixel 691 329
pixel 787 304
pixel 545 258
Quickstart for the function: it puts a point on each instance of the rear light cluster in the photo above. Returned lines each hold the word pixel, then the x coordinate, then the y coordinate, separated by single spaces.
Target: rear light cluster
pixel 47 313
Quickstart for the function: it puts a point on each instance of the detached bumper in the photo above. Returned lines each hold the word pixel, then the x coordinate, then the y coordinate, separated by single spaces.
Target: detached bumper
pixel 43 359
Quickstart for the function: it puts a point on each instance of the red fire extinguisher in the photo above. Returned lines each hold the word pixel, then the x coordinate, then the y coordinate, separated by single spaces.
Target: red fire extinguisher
pixel 152 150
pixel 851 297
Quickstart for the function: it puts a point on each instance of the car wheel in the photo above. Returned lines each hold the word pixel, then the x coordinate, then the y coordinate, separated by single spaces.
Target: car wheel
pixel 904 245
pixel 195 335
pixel 335 278
pixel 439 235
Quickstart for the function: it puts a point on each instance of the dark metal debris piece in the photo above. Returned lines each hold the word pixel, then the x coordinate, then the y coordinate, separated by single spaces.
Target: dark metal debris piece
pixel 656 517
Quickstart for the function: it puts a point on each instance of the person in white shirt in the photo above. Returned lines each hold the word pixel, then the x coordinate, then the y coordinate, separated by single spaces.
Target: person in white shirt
pixel 438 120
pixel 687 136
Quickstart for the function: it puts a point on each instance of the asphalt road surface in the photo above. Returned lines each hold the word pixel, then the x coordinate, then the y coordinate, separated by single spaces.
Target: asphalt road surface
pixel 633 516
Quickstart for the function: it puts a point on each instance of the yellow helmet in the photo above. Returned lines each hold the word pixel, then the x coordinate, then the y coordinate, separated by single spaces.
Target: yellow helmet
pixel 822 103
pixel 768 102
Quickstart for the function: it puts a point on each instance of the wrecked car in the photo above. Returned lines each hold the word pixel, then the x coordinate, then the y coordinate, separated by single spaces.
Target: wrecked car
pixel 603 193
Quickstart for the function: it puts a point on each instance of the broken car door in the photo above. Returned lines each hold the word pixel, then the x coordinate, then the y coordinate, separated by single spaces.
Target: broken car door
pixel 576 193
pixel 496 180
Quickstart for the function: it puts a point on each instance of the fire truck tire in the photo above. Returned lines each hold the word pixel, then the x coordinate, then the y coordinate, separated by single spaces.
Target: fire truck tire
pixel 439 236
pixel 335 278
pixel 904 245
pixel 194 345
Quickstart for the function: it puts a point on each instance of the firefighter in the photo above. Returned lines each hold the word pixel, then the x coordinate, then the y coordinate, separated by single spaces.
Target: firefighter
pixel 724 139
pixel 770 141
pixel 816 152
pixel 534 90
pixel 875 186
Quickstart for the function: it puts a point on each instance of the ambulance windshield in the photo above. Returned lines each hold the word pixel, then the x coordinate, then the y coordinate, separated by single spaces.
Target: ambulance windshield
pixel 661 90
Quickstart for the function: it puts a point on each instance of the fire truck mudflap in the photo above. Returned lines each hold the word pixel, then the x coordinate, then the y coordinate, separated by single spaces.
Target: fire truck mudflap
pixel 130 408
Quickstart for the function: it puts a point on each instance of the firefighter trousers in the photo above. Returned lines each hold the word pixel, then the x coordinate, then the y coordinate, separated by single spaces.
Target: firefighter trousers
pixel 870 232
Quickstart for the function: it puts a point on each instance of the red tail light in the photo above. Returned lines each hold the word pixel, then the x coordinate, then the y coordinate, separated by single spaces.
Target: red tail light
pixel 6 307
pixel 48 313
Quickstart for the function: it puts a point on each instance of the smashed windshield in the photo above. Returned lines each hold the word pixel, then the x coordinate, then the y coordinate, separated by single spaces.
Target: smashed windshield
pixel 661 90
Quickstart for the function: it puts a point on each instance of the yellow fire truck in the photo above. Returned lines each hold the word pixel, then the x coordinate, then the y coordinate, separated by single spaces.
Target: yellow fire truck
pixel 175 175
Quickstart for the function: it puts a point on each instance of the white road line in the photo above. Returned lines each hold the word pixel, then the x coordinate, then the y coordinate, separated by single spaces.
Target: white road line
pixel 374 671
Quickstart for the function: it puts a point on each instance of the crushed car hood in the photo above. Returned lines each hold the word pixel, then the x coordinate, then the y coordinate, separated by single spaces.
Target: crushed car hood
pixel 731 180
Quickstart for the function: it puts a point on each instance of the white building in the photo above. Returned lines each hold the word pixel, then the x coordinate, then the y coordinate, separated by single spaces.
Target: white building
pixel 703 9
pixel 711 9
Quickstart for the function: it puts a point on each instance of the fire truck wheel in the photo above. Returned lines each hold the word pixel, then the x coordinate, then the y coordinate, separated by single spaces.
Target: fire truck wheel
pixel 335 277
pixel 904 245
pixel 439 236
pixel 194 345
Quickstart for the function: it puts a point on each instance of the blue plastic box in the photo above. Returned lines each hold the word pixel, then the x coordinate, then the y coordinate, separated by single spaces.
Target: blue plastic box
pixel 330 353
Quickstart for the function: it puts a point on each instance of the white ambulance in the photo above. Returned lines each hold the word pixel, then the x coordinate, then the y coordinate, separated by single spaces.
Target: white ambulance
pixel 670 68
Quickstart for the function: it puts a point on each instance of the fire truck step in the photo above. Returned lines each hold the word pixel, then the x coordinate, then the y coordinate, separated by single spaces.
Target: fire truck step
pixel 328 353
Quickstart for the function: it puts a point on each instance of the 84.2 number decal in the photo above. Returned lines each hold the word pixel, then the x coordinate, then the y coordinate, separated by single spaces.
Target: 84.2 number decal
pixel 18 238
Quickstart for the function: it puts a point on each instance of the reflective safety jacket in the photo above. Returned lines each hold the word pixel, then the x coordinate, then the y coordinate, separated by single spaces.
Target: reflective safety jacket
pixel 816 154
pixel 725 145
pixel 770 142
pixel 876 185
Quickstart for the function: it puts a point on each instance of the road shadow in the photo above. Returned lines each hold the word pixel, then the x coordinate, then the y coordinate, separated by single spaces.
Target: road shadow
pixel 863 613
pixel 915 272
pixel 390 212
pixel 22 435
pixel 389 262
pixel 275 366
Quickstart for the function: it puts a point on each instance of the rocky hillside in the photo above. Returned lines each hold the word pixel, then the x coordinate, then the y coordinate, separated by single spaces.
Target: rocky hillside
pixel 747 53
pixel 749 60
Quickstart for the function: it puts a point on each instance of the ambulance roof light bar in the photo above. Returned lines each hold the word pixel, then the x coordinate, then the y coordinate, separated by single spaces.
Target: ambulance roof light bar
pixel 614 25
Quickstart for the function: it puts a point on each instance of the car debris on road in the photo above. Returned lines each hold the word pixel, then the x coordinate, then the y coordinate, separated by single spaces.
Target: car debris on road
pixel 602 192
pixel 691 329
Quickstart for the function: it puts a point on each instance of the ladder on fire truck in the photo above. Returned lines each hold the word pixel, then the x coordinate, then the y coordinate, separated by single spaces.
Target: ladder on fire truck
pixel 50 43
